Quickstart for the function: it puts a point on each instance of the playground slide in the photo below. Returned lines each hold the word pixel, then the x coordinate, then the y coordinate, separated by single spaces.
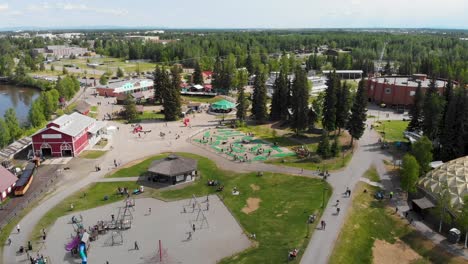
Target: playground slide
pixel 82 252
pixel 73 244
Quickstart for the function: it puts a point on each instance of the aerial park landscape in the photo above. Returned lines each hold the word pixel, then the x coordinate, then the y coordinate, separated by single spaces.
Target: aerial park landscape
pixel 244 144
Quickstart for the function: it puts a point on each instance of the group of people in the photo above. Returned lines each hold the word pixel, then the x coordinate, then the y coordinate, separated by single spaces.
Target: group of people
pixel 39 259
pixel 122 191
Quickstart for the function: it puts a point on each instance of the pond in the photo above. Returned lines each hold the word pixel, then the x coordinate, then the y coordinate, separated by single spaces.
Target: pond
pixel 19 98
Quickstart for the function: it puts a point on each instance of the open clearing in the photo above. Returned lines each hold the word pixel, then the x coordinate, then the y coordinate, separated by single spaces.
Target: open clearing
pixel 252 205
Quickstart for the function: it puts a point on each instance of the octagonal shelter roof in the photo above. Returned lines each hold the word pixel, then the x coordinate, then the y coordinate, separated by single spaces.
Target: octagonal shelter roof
pixel 223 105
pixel 173 165
pixel 453 175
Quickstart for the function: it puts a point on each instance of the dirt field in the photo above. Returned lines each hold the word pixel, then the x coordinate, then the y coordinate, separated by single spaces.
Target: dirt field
pixel 386 253
pixel 252 205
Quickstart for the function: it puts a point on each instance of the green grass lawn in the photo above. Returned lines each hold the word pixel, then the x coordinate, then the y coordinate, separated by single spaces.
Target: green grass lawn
pixel 309 164
pixel 279 223
pixel 393 130
pixel 270 135
pixel 201 99
pixel 92 154
pixel 372 174
pixel 369 220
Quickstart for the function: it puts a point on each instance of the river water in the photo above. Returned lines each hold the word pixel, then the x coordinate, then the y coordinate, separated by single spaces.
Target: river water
pixel 19 98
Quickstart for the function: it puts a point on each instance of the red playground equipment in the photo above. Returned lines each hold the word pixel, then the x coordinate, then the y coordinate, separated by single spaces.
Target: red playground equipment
pixel 186 121
pixel 137 129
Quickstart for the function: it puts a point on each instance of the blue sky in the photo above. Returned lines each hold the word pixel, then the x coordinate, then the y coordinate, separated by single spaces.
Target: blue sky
pixel 236 13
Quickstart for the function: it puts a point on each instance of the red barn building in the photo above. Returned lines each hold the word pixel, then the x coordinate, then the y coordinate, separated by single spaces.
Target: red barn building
pixel 67 136
pixel 398 90
pixel 7 182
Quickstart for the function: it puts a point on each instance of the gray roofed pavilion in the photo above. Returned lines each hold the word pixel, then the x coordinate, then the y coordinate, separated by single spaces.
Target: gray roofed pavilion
pixel 173 165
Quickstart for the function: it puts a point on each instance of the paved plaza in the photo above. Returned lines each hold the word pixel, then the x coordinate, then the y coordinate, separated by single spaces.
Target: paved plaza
pixel 238 146
pixel 220 236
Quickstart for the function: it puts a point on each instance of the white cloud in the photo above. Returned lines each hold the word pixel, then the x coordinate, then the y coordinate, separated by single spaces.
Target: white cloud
pixel 75 7
pixel 4 7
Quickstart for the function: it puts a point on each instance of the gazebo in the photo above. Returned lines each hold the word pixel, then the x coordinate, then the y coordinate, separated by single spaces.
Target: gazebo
pixel 173 169
pixel 223 106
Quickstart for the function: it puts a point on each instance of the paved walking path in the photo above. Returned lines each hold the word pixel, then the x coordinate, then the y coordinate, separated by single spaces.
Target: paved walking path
pixel 366 154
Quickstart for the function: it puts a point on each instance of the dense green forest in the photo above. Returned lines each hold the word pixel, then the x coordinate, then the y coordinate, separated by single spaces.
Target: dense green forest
pixel 439 55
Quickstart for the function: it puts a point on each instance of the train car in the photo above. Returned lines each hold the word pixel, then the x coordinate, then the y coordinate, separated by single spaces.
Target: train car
pixel 25 180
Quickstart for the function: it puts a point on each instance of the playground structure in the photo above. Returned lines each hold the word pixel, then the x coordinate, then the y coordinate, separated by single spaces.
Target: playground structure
pixel 137 129
pixel 166 222
pixel 80 242
pixel 302 151
pixel 186 121
pixel 238 146
pixel 200 221
pixel 80 245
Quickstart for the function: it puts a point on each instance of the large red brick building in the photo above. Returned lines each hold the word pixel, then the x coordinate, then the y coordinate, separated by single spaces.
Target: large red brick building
pixel 67 136
pixel 398 90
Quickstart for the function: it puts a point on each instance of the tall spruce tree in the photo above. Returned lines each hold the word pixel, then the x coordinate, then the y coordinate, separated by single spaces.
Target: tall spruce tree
pixel 259 107
pixel 433 107
pixel 357 121
pixel 329 106
pixel 242 104
pixel 158 87
pixel 285 97
pixel 275 107
pixel 451 136
pixel 447 97
pixel 280 89
pixel 323 148
pixel 415 111
pixel 172 102
pixel 197 74
pixel 300 101
pixel 342 107
pixel 217 81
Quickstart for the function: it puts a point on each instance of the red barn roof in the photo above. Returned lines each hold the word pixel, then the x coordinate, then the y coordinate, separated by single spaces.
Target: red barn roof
pixel 7 179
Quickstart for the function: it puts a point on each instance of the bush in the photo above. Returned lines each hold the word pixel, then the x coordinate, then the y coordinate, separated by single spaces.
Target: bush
pixel 316 159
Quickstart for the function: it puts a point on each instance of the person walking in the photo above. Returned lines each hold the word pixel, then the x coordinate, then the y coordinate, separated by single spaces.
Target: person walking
pixel 189 236
pixel 18 228
pixel 324 225
pixel 193 227
pixel 136 246
pixel 9 241
pixel 337 210
pixel 391 195
pixel 149 211
pixel 337 203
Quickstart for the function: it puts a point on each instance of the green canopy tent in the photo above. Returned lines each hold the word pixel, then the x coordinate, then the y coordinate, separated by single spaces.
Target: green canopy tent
pixel 223 105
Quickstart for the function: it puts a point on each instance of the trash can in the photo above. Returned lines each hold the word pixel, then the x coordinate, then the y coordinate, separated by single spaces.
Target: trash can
pixel 454 235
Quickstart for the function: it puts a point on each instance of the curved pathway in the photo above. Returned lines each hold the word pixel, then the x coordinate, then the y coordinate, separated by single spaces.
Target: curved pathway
pixel 366 154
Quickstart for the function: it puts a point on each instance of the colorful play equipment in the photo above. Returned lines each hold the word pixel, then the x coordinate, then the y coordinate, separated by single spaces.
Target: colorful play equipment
pixel 137 128
pixel 82 252
pixel 186 121
pixel 80 245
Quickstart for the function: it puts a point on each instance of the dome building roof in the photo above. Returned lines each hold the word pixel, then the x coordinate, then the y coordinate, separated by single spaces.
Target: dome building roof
pixel 453 175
